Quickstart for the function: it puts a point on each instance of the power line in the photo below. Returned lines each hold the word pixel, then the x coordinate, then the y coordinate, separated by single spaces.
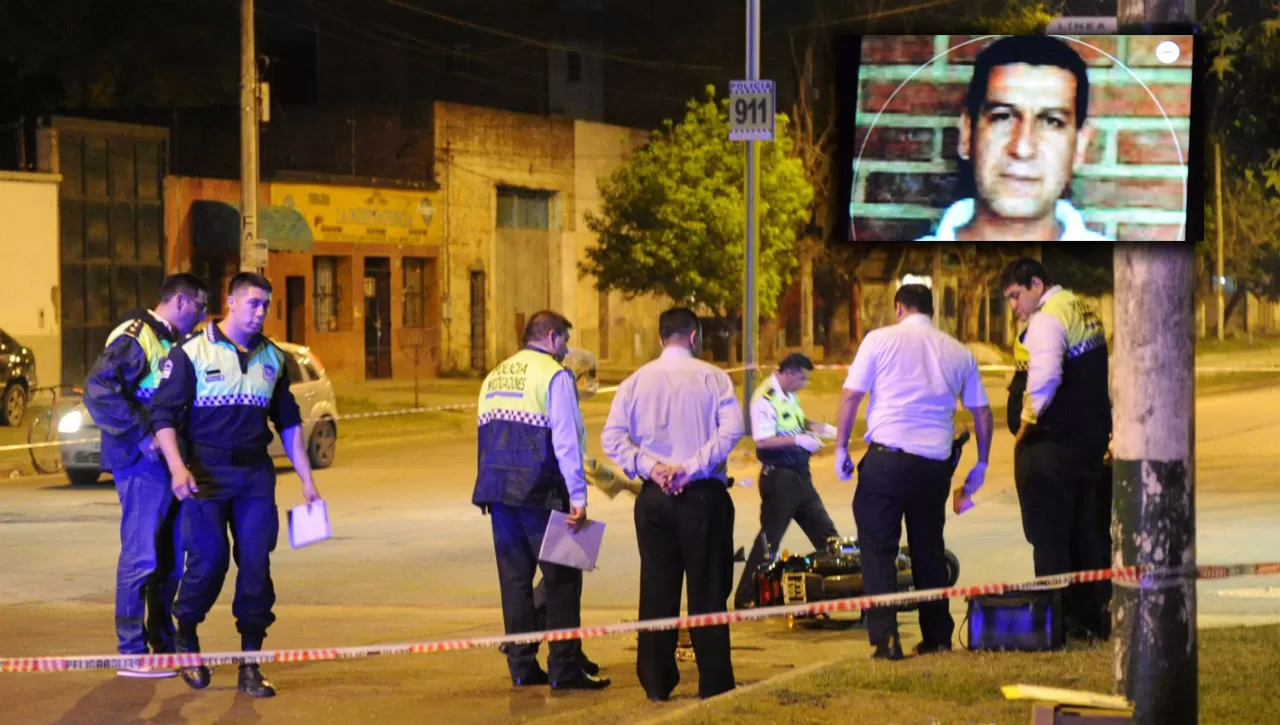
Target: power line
pixel 436 52
pixel 640 62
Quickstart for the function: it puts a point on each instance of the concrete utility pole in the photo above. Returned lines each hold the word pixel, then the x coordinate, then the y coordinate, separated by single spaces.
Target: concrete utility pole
pixel 1153 391
pixel 751 311
pixel 252 259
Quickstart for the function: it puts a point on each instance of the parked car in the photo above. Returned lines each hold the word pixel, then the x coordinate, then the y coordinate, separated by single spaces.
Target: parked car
pixel 17 379
pixel 309 383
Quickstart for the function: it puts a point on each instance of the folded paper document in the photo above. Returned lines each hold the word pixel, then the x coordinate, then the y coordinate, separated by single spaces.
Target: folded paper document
pixel 308 524
pixel 578 549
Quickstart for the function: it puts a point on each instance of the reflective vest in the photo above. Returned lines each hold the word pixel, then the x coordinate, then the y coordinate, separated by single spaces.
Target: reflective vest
pixel 219 380
pixel 1017 386
pixel 1080 411
pixel 517 462
pixel 791 422
pixel 153 347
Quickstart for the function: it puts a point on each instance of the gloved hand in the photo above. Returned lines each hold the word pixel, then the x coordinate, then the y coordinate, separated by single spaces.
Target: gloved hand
pixel 844 465
pixel 977 476
pixel 828 431
pixel 809 442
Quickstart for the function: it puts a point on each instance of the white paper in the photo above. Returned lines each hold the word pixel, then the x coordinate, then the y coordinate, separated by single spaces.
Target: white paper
pixel 578 549
pixel 308 527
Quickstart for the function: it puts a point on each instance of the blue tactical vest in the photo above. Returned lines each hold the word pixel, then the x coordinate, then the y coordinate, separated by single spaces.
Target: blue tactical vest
pixel 517 462
pixel 155 348
pixel 791 422
pixel 219 380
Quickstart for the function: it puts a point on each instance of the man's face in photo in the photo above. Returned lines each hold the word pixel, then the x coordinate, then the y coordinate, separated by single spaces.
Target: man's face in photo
pixel 1025 144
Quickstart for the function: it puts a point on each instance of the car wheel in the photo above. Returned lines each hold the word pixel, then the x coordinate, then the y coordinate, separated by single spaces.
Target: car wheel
pixel 14 405
pixel 83 476
pixel 323 445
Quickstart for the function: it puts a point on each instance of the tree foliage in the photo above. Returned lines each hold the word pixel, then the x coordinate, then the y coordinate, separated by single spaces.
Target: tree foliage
pixel 1244 65
pixel 673 218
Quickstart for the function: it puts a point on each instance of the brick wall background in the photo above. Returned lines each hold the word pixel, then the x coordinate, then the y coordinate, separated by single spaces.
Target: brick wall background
pixel 1130 187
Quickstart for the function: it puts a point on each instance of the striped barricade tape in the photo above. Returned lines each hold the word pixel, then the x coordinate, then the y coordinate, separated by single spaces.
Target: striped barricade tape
pixel 1130 575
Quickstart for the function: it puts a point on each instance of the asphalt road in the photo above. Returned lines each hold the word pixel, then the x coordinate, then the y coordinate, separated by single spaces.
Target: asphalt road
pixel 412 560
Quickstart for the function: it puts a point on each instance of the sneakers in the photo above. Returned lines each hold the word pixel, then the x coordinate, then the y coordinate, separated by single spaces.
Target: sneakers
pixel 146 673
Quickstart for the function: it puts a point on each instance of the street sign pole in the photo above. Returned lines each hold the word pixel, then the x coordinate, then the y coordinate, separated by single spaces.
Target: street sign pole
pixel 751 119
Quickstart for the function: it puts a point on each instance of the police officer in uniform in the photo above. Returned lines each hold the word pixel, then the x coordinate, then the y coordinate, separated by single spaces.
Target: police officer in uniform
pixel 531 440
pixel 220 387
pixel 1062 440
pixel 784 441
pixel 118 389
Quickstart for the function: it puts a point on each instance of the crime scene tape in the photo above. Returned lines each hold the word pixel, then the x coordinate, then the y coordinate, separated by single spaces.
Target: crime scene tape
pixel 1139 576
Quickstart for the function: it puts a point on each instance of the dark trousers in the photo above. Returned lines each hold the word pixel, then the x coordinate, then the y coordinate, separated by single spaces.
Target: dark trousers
pixel 689 535
pixel 786 495
pixel 1065 496
pixel 150 563
pixel 517 539
pixel 253 522
pixel 893 485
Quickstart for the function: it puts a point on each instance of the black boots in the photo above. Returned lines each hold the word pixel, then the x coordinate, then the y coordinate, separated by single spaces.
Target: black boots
pixel 197 678
pixel 253 684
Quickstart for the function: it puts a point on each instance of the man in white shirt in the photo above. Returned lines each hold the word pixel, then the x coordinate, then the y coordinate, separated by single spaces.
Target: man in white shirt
pixel 1024 131
pixel 785 439
pixel 673 424
pixel 914 374
pixel 1064 490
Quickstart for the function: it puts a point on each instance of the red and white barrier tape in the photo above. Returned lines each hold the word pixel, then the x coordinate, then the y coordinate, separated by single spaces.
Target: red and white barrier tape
pixel 1130 575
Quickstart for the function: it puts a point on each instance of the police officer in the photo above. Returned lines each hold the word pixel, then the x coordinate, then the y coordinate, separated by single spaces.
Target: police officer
pixel 220 387
pixel 784 441
pixel 914 374
pixel 1062 440
pixel 531 440
pixel 116 394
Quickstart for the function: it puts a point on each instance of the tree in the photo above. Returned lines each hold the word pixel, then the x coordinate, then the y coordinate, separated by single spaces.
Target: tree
pixel 979 266
pixel 1244 60
pixel 673 217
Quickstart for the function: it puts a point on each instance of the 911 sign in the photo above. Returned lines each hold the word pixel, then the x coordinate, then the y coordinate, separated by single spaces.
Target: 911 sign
pixel 751 110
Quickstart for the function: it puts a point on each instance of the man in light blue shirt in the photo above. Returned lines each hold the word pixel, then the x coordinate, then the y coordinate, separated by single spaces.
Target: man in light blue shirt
pixel 673 424
pixel 1023 129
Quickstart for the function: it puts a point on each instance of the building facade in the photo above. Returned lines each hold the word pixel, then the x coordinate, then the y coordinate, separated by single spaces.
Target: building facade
pixel 378 277
pixel 29 233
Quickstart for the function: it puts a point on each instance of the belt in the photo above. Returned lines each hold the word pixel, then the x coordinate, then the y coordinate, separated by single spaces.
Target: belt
pixel 898 451
pixel 234 457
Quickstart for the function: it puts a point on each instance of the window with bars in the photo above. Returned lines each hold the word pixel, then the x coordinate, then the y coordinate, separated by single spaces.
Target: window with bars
pixel 417 286
pixel 327 297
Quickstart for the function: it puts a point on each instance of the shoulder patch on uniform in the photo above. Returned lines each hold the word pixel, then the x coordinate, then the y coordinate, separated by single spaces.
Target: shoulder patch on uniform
pixel 134 327
pixel 167 370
